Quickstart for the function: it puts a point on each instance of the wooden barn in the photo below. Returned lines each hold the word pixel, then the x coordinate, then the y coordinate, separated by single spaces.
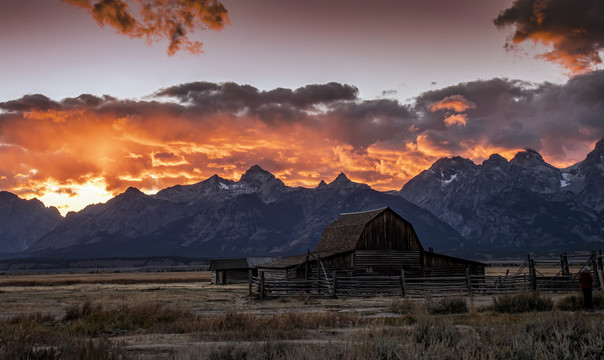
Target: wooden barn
pixel 368 243
pixel 236 270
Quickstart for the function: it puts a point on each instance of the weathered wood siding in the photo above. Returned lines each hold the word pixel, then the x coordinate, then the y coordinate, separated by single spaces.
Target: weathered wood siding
pixel 235 276
pixel 380 261
pixel 389 232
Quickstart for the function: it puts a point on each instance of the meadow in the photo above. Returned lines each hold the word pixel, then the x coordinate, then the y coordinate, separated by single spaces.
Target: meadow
pixel 167 315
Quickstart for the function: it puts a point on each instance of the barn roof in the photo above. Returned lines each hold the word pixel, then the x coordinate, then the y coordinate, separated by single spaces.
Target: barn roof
pixel 344 233
pixel 249 262
pixel 293 261
pixel 453 259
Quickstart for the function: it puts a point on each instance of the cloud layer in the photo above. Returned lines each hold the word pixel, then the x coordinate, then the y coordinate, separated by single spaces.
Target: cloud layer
pixel 170 20
pixel 574 29
pixel 189 132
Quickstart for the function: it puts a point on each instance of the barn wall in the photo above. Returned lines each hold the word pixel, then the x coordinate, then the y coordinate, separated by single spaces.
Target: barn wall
pixel 236 276
pixel 386 262
pixel 389 232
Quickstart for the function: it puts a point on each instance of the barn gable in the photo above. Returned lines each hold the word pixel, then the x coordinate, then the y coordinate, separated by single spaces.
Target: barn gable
pixel 380 229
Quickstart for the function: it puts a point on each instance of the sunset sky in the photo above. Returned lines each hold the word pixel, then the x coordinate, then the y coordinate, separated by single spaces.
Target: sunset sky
pixel 100 95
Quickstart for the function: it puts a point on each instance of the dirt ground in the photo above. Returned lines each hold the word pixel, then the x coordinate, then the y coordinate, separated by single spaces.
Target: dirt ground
pixel 191 291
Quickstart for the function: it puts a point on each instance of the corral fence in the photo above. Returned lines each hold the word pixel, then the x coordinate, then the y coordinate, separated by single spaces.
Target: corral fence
pixel 530 276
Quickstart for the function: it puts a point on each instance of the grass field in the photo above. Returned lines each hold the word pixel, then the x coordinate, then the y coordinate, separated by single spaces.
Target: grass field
pixel 181 316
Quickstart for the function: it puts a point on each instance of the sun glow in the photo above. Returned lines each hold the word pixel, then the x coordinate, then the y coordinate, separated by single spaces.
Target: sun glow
pixel 68 197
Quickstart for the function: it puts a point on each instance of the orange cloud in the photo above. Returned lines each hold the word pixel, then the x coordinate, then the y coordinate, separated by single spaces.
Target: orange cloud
pixel 92 148
pixel 456 103
pixel 155 20
pixel 456 119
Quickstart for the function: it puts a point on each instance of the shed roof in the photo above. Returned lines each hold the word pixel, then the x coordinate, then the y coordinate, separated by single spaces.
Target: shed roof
pixel 454 259
pixel 293 261
pixel 344 233
pixel 249 262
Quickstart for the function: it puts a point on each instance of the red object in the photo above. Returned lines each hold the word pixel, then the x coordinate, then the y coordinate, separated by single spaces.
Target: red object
pixel 586 279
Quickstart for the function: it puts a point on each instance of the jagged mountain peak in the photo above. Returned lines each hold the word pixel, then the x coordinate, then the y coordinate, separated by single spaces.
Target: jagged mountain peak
pixel 322 185
pixel 596 156
pixel 133 191
pixel 341 179
pixel 528 158
pixel 600 146
pixel 455 161
pixel 23 222
pixel 6 196
pixel 343 182
pixel 495 162
pixel 256 175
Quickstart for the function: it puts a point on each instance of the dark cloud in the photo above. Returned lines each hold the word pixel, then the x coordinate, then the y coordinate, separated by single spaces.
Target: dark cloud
pixel 29 103
pixel 574 28
pixel 364 123
pixel 170 20
pixel 511 114
pixel 304 134
pixel 86 100
pixel 231 95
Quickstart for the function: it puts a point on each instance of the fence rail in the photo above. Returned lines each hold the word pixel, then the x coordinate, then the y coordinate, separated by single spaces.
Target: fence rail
pixel 329 283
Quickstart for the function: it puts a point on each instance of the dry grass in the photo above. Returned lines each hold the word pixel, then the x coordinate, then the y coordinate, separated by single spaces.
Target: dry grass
pixel 104 278
pixel 196 320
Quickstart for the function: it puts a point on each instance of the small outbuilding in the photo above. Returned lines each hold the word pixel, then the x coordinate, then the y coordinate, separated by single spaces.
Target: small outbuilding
pixel 236 270
pixel 368 243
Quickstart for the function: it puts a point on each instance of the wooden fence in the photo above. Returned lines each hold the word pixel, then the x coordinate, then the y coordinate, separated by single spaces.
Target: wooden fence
pixel 332 284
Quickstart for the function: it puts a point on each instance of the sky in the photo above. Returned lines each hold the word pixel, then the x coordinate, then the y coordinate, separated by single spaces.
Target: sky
pixel 101 95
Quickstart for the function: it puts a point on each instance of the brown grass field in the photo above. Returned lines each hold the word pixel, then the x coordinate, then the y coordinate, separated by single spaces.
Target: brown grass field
pixel 179 315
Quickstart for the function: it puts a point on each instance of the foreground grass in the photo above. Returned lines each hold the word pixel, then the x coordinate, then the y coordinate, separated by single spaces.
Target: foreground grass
pixel 443 329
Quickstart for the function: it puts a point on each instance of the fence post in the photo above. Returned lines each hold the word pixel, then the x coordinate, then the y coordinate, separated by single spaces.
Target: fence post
pixel 600 270
pixel 532 274
pixel 306 269
pixel 261 285
pixel 249 280
pixel 566 269
pixel 403 285
pixel 318 274
pixel 469 283
pixel 335 285
pixel 562 265
pixel 597 271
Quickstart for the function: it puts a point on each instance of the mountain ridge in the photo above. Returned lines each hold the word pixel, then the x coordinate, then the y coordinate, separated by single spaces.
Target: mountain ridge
pixel 524 204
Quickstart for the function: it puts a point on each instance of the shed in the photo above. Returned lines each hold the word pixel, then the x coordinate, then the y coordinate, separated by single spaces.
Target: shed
pixel 236 270
pixel 378 241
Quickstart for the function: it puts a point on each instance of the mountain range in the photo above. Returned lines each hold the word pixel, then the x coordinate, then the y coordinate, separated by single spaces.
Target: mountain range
pixel 523 204
pixel 455 206
pixel 220 218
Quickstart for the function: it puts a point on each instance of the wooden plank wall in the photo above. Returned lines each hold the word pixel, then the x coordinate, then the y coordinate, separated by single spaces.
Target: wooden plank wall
pixel 389 232
pixel 386 261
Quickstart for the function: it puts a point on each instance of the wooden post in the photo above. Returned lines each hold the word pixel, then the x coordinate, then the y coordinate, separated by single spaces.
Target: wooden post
pixel 566 269
pixel 600 261
pixel 563 272
pixel 250 274
pixel 403 285
pixel 597 271
pixel 469 284
pixel 261 285
pixel 335 285
pixel 306 268
pixel 318 275
pixel 532 274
